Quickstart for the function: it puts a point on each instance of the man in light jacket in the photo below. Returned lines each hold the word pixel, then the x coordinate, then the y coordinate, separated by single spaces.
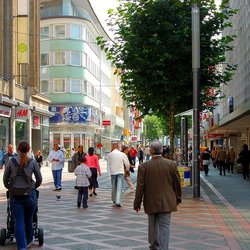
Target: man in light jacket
pixel 159 187
pixel 116 161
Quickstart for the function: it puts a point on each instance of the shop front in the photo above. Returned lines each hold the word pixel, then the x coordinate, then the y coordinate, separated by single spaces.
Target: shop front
pixel 72 126
pixel 5 113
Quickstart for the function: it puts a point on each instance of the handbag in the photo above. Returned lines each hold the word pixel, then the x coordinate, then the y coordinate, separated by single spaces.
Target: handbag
pixel 206 162
pixel 239 160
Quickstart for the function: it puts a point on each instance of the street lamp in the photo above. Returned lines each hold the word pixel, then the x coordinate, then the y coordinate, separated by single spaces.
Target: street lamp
pixel 196 97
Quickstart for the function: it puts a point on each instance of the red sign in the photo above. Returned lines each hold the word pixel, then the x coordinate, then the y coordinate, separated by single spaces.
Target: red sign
pixel 106 123
pixel 22 113
pixel 215 135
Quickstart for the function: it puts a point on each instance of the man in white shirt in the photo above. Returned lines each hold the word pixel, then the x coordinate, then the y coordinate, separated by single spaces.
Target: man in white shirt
pixel 115 167
pixel 56 157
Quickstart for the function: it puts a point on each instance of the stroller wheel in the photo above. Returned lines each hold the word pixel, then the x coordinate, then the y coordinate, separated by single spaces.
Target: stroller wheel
pixel 40 236
pixel 2 236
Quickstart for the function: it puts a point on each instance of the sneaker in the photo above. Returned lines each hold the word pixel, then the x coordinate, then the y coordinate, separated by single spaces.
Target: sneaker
pixel 59 189
pixel 118 205
pixel 85 206
pixel 90 194
pixel 94 193
pixel 29 244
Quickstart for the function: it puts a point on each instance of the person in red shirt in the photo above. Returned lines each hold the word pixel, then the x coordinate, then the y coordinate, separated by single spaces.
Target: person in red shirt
pixel 133 154
pixel 93 164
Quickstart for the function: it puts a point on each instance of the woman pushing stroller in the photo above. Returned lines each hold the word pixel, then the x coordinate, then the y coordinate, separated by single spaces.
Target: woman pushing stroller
pixel 17 179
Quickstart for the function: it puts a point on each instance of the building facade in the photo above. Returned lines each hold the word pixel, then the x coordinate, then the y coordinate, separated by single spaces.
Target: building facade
pixel 77 77
pixel 24 113
pixel 230 122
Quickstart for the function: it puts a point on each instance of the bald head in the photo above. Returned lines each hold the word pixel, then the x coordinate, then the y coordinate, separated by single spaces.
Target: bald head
pixel 156 148
pixel 114 145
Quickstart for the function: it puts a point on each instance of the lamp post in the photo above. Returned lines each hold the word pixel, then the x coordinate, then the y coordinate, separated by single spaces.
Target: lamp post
pixel 196 97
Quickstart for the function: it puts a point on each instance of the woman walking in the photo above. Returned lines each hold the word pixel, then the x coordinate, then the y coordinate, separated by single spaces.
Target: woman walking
pixel 39 158
pixel 127 177
pixel 93 164
pixel 18 180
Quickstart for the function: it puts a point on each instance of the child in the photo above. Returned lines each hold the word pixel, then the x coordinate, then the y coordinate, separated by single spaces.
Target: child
pixel 83 174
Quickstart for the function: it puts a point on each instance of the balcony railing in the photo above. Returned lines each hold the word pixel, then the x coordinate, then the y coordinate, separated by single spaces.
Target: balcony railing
pixel 63 11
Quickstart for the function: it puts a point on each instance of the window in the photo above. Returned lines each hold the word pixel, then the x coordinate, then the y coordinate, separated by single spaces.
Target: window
pixel 75 85
pixel 75 31
pixel 84 60
pixel 59 57
pixel 44 59
pixel 44 32
pixel 60 31
pixel 84 34
pixel 75 58
pixel 44 86
pixel 59 85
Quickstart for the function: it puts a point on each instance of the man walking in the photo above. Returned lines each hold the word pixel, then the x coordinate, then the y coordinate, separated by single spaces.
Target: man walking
pixel 7 156
pixel 75 158
pixel 159 187
pixel 56 157
pixel 116 161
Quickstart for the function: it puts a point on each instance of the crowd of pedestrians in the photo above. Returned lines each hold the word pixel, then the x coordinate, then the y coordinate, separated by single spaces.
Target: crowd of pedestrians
pixel 225 159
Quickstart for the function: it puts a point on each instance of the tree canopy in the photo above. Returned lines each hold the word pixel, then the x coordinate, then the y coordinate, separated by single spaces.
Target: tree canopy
pixel 153 53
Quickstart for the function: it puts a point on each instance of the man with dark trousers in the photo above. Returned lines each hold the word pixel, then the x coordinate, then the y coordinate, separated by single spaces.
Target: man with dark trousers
pixel 159 187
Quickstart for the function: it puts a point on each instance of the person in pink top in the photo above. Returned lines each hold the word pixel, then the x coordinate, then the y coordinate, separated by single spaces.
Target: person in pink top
pixel 93 164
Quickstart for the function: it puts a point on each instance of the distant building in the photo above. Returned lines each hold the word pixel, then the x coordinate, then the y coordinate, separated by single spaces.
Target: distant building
pixel 231 119
pixel 24 113
pixel 77 77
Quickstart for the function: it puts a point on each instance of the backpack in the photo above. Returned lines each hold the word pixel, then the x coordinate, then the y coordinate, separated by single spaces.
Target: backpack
pixel 21 183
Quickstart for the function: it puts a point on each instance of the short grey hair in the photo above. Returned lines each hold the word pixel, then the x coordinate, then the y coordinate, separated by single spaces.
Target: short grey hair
pixel 156 148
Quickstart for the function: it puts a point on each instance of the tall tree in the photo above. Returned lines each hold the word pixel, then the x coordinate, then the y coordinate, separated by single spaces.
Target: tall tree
pixel 153 52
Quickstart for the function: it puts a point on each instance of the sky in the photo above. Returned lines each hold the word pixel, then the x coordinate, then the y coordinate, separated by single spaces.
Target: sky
pixel 101 7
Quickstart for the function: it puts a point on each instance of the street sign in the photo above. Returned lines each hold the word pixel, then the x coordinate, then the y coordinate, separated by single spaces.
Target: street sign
pixel 106 123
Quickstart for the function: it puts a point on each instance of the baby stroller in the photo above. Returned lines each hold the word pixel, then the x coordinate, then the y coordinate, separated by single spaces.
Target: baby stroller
pixel 9 232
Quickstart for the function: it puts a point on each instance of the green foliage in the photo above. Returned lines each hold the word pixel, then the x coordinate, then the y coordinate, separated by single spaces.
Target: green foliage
pixel 153 128
pixel 153 51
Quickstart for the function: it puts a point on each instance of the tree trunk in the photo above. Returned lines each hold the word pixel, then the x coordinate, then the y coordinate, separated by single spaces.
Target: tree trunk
pixel 171 130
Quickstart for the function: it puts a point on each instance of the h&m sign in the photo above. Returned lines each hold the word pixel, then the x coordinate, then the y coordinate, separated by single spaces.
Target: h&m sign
pixel 22 113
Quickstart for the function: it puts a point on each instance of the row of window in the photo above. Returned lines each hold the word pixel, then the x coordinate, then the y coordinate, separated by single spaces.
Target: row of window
pixel 69 31
pixel 59 85
pixel 70 58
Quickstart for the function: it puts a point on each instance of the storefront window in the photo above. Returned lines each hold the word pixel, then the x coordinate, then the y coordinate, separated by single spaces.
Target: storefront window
pixel 76 140
pixel 66 144
pixel 20 132
pixel 45 141
pixel 4 133
pixel 56 139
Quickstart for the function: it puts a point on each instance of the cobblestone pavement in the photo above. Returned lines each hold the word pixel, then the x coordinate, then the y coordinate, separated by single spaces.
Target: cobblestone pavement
pixel 218 220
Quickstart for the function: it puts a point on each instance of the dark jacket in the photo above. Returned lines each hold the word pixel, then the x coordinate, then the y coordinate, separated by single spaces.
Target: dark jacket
pixel 30 169
pixel 75 159
pixel 158 186
pixel 245 157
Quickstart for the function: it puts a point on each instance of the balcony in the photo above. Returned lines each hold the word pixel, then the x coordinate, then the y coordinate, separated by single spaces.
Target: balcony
pixel 4 87
pixel 59 11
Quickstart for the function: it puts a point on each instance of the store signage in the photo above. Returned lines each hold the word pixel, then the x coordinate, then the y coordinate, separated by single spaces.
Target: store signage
pixel 106 123
pixel 70 114
pixel 22 113
pixel 5 111
pixel 36 121
pixel 215 135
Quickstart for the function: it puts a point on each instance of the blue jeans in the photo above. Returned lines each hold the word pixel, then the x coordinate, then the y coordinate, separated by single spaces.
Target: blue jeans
pixel 159 230
pixel 57 176
pixel 22 210
pixel 117 182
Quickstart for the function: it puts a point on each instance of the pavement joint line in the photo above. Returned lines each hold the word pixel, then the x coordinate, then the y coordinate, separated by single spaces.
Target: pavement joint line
pixel 230 234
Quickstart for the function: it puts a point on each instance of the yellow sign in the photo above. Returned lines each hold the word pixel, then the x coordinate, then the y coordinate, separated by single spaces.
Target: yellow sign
pixel 22 40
